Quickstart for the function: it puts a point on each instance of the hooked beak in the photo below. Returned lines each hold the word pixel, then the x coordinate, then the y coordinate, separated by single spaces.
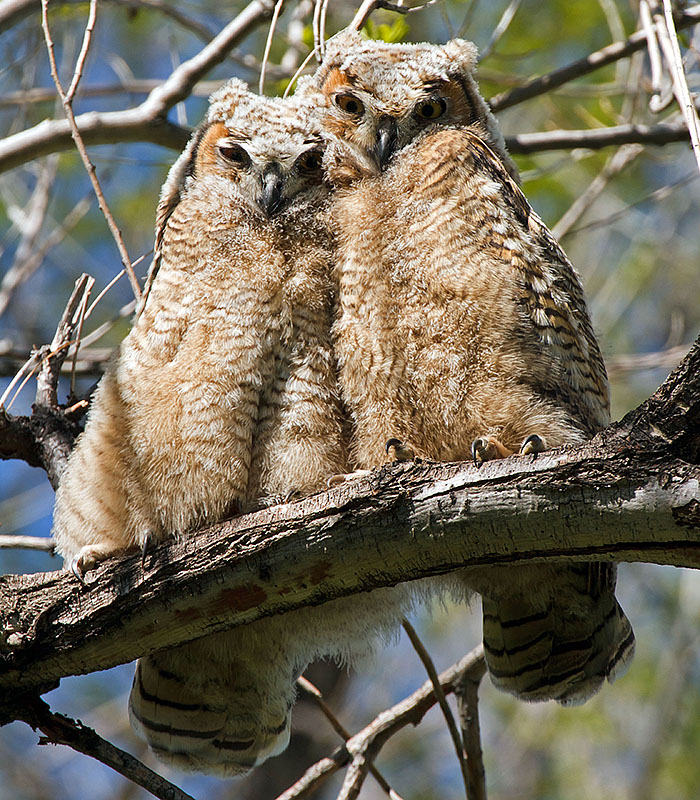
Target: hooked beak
pixel 271 199
pixel 387 135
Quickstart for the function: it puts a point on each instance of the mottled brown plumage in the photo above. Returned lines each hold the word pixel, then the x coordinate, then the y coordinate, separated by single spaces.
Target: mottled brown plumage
pixel 223 395
pixel 460 317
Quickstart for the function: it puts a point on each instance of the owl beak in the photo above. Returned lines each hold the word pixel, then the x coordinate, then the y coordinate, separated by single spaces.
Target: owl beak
pixel 271 199
pixel 387 135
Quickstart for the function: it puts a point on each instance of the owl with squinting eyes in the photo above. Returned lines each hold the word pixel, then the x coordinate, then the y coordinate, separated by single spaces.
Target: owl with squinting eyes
pixel 462 330
pixel 224 396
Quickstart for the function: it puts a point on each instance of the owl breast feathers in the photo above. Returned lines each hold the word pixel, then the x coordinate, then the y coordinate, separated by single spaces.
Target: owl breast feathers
pixel 354 265
pixel 462 328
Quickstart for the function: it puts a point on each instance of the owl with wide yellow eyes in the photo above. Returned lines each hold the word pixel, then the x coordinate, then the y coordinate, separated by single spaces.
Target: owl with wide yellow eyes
pixel 462 330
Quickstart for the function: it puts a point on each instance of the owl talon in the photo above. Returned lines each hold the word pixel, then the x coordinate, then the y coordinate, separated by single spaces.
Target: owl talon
pixel 533 445
pixel 488 448
pixel 76 567
pixel 400 450
pixel 148 546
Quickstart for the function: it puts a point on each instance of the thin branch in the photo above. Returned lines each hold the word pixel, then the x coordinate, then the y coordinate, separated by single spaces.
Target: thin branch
pixel 500 29
pixel 597 138
pixel 268 44
pixel 666 32
pixel 584 66
pixel 67 100
pixel 12 542
pixel 59 729
pixel 467 694
pixel 315 694
pixel 55 354
pixel 442 701
pixel 368 7
pixel 145 122
pixel 365 745
pixel 615 164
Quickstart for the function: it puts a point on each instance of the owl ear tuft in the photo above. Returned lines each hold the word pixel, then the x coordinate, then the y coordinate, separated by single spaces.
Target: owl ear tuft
pixel 225 99
pixel 462 51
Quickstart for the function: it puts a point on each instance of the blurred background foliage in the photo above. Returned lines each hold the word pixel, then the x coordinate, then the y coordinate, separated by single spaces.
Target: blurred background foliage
pixel 635 246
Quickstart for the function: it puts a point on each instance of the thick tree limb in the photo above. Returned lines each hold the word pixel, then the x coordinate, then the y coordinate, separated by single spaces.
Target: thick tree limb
pixel 631 494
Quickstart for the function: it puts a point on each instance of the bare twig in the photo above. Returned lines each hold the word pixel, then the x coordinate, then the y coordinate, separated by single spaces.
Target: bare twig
pixel 30 222
pixel 467 694
pixel 584 66
pixel 26 263
pixel 442 701
pixel 500 29
pixel 145 122
pixel 268 44
pixel 368 7
pixel 615 164
pixel 668 38
pixel 12 542
pixel 54 354
pixel 67 100
pixel 58 729
pixel 366 744
pixel 313 692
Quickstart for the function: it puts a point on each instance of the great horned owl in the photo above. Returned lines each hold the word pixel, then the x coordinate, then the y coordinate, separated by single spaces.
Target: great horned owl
pixel 224 392
pixel 462 328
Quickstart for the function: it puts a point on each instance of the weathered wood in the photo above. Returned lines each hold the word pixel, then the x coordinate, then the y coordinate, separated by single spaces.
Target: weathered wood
pixel 631 494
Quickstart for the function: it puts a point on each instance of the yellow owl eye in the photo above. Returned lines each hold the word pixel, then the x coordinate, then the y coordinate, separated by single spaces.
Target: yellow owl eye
pixel 234 154
pixel 431 109
pixel 310 161
pixel 350 104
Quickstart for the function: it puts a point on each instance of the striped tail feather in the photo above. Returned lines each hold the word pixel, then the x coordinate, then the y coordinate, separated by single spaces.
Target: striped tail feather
pixel 200 714
pixel 561 644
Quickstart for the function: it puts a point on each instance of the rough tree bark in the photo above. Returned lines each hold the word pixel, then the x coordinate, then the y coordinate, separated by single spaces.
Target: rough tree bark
pixel 631 494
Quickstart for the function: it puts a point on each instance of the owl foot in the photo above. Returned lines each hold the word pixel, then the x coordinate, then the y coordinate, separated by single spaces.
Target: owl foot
pixel 88 558
pixel 488 448
pixel 399 451
pixel 533 445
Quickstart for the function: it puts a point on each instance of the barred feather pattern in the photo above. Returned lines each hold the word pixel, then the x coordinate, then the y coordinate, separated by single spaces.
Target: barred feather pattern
pixel 460 316
pixel 222 396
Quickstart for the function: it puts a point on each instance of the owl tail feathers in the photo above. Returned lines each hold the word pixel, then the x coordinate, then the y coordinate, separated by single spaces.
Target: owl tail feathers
pixel 549 654
pixel 188 731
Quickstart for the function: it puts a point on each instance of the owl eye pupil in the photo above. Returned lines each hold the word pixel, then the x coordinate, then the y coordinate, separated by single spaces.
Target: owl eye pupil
pixel 234 154
pixel 432 109
pixel 350 104
pixel 310 162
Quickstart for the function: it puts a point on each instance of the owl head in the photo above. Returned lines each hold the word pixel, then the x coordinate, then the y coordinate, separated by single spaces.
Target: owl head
pixel 379 97
pixel 262 154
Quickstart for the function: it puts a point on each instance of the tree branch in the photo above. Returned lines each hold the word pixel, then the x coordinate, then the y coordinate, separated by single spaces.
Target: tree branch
pixel 145 122
pixel 58 729
pixel 597 138
pixel 631 494
pixel 584 66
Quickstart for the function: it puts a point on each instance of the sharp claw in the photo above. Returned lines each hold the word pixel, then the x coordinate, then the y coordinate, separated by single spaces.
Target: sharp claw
pixel 478 446
pixel 534 444
pixel 147 547
pixel 76 567
pixel 402 451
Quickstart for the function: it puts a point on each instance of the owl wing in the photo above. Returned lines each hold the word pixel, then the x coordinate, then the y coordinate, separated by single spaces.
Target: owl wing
pixel 551 295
